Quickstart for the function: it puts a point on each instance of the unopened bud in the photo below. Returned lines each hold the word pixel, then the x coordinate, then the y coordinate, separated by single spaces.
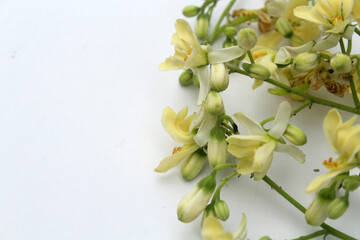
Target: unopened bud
pixel 193 203
pixel 256 71
pixel 284 27
pixel 282 57
pixel 341 63
pixel 214 103
pixel 228 43
pixel 247 38
pixel 221 210
pixel 295 135
pixel 202 26
pixel 338 207
pixel 217 147
pixel 327 194
pixel 230 32
pixel 316 213
pixel 304 62
pixel 351 184
pixel 195 80
pixel 191 11
pixel 186 77
pixel 219 77
pixel 265 238
pixel 209 211
pixel 193 164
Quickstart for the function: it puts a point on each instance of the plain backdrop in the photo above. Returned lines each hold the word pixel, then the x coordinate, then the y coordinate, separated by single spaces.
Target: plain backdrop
pixel 81 96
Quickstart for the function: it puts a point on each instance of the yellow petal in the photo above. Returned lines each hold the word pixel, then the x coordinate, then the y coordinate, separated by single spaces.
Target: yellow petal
pixel 332 121
pixel 175 159
pixel 309 13
pixel 292 4
pixel 244 166
pixel 224 236
pixel 347 7
pixel 183 29
pixel 211 228
pixel 270 39
pixel 263 156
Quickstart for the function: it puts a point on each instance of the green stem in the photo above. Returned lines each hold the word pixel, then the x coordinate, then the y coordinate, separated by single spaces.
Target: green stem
pixel 224 165
pixel 353 91
pixel 357 31
pixel 349 48
pixel 216 195
pixel 300 207
pixel 293 113
pixel 293 39
pixel 302 94
pixel 342 46
pixel 323 55
pixel 224 13
pixel 250 56
pixel 312 235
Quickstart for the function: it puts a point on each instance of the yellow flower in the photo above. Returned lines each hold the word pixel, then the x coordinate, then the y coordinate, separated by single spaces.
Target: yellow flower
pixel 255 151
pixel 334 15
pixel 213 230
pixel 356 10
pixel 344 139
pixel 177 126
pixel 302 30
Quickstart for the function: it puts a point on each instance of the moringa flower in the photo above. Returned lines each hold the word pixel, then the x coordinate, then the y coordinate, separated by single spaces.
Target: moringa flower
pixel 255 151
pixel 334 15
pixel 190 54
pixel 344 139
pixel 213 230
pixel 177 126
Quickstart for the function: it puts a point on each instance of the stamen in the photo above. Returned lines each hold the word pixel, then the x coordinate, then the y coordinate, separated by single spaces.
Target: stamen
pixel 332 19
pixel 176 150
pixel 339 17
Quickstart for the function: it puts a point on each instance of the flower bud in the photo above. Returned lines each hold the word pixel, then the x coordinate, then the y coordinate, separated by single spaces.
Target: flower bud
pixel 316 213
pixel 221 210
pixel 282 57
pixel 295 135
pixel 219 77
pixel 217 147
pixel 256 71
pixel 193 203
pixel 209 211
pixel 284 27
pixel 228 43
pixel 230 32
pixel 195 80
pixel 304 62
pixel 338 207
pixel 351 184
pixel 193 164
pixel 191 11
pixel 247 38
pixel 186 77
pixel 214 103
pixel 202 26
pixel 341 63
pixel 265 238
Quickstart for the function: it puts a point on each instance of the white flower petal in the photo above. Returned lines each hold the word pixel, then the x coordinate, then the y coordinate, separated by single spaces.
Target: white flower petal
pixel 309 13
pixel 328 42
pixel 247 140
pixel 260 175
pixel 225 54
pixel 184 30
pixel 251 126
pixel 293 151
pixel 241 232
pixel 203 74
pixel 281 120
pixel 332 122
pixel 203 134
pixel 211 228
pixel 294 51
pixel 263 156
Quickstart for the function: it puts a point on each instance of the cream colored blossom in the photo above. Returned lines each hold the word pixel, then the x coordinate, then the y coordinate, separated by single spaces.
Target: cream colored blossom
pixel 344 139
pixel 255 151
pixel 334 15
pixel 177 126
pixel 213 230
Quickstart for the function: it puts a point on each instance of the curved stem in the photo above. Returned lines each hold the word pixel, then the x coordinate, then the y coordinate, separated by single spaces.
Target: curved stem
pixel 225 12
pixel 302 94
pixel 224 181
pixel 353 90
pixel 312 235
pixel 301 208
pixel 342 46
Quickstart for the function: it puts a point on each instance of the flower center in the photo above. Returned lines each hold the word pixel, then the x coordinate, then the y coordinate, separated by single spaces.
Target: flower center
pixel 336 164
pixel 188 54
pixel 176 150
pixel 259 53
pixel 336 20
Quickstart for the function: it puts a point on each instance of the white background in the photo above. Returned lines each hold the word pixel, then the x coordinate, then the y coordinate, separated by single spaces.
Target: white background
pixel 81 98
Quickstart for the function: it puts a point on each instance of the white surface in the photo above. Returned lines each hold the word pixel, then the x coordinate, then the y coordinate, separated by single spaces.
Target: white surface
pixel 81 98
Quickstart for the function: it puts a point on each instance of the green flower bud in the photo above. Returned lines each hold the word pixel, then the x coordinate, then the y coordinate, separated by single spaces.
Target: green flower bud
pixel 217 147
pixel 191 11
pixel 295 135
pixel 221 210
pixel 230 32
pixel 316 213
pixel 338 207
pixel 304 62
pixel 193 203
pixel 282 57
pixel 219 77
pixel 341 63
pixel 284 27
pixel 196 81
pixel 256 71
pixel 265 238
pixel 351 184
pixel 193 164
pixel 247 38
pixel 228 43
pixel 327 194
pixel 186 77
pixel 202 26
pixel 214 103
